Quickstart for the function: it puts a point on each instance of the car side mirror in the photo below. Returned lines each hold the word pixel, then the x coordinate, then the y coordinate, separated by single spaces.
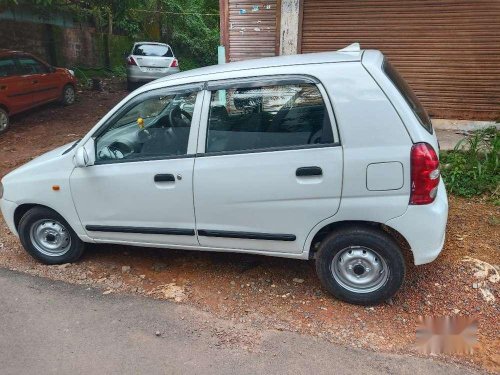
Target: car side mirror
pixel 51 69
pixel 81 158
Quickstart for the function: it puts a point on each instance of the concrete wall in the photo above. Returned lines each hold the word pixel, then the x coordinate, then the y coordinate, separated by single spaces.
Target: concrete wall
pixel 290 26
pixel 78 46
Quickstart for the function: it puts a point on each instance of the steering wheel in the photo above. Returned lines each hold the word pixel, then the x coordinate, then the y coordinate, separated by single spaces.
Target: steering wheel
pixel 116 150
pixel 175 117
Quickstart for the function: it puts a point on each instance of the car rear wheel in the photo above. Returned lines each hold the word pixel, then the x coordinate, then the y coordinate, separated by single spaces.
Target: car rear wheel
pixel 4 120
pixel 48 237
pixel 68 95
pixel 360 265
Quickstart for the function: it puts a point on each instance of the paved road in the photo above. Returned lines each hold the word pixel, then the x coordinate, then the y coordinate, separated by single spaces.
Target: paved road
pixel 53 327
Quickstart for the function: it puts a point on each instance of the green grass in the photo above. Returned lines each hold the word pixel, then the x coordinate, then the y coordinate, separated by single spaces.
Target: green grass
pixel 85 75
pixel 472 168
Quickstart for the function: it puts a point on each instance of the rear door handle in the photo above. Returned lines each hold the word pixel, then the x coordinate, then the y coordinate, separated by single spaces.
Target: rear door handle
pixel 35 81
pixel 164 178
pixel 309 171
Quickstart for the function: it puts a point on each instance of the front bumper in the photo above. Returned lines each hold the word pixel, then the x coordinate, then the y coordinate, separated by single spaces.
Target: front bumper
pixel 424 227
pixel 8 208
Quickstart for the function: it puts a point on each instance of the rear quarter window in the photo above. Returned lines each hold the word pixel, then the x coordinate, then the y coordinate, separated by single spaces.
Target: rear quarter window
pixel 408 95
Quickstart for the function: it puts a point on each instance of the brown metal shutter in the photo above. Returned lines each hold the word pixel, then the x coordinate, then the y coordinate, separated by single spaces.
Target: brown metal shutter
pixel 448 51
pixel 252 29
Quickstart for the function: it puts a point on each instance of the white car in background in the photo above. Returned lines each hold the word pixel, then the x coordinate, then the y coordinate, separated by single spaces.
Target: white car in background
pixel 149 61
pixel 327 157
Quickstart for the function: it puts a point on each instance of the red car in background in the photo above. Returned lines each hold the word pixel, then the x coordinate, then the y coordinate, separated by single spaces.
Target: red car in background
pixel 27 82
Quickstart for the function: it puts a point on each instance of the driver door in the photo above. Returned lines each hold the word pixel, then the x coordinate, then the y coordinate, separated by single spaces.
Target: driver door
pixel 139 190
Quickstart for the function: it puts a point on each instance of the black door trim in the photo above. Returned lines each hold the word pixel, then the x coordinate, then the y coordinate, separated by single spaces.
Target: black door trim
pixel 246 235
pixel 140 230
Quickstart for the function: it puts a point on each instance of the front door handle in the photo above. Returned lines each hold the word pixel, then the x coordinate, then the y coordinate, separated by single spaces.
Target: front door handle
pixel 164 178
pixel 309 171
pixel 35 81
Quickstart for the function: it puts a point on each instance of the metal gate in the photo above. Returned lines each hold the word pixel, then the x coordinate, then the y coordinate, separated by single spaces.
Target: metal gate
pixel 447 50
pixel 252 29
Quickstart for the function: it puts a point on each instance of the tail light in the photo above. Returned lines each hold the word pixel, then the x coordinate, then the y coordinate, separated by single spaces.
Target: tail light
pixel 131 61
pixel 425 174
pixel 174 63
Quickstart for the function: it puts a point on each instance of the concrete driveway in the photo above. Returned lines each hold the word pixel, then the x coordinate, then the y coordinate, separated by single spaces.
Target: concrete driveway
pixel 58 328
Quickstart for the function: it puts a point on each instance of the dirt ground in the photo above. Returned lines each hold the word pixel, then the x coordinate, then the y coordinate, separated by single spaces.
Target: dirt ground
pixel 271 292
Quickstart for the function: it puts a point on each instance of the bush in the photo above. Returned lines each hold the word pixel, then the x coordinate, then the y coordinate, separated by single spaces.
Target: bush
pixel 472 167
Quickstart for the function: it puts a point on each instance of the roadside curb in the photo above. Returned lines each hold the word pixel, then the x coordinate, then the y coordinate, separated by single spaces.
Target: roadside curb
pixel 464 125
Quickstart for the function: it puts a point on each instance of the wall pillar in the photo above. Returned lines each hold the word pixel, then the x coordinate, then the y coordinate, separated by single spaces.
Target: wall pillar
pixel 290 25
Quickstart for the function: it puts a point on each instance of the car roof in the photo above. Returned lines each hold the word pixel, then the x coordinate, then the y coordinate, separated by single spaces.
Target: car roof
pixel 269 62
pixel 9 52
pixel 157 43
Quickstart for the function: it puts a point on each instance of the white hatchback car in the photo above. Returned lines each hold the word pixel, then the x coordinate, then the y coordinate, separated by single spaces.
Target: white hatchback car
pixel 149 61
pixel 325 156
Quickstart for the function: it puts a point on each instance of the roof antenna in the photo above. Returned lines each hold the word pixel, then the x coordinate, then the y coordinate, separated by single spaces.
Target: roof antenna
pixel 354 47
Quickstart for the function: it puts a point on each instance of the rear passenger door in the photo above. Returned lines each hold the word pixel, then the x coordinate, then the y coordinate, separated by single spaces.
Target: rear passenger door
pixel 269 164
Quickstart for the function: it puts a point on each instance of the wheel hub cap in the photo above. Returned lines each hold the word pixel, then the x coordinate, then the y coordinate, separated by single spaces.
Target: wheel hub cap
pixel 359 269
pixel 50 237
pixel 3 121
pixel 69 95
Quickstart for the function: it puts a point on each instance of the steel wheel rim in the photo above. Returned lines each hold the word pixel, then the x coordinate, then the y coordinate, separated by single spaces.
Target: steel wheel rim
pixel 359 269
pixel 4 121
pixel 50 237
pixel 69 95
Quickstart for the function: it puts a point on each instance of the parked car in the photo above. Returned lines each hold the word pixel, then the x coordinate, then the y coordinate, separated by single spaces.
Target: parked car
pixel 27 82
pixel 149 61
pixel 325 156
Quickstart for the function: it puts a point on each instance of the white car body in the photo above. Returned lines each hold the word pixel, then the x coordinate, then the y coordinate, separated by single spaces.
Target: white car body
pixel 148 67
pixel 366 173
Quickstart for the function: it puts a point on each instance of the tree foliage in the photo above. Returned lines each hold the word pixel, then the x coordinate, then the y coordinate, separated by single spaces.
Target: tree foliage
pixel 191 27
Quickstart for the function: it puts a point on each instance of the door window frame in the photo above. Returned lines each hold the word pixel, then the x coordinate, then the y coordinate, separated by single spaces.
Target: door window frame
pixel 142 96
pixel 260 81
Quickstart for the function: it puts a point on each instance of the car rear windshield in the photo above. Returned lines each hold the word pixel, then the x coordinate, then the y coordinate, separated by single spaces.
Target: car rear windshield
pixel 152 50
pixel 408 94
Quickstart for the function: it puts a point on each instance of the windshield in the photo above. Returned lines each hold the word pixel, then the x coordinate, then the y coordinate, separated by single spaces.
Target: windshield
pixel 152 50
pixel 408 94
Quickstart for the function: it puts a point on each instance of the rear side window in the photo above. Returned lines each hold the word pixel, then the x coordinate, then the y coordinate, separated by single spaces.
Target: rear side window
pixel 32 66
pixel 267 117
pixel 408 94
pixel 152 50
pixel 8 67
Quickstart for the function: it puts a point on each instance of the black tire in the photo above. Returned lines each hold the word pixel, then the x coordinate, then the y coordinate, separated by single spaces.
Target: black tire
pixel 131 86
pixel 31 219
pixel 4 120
pixel 68 95
pixel 351 245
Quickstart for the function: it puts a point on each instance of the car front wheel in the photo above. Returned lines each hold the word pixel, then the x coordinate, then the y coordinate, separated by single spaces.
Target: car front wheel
pixel 48 237
pixel 4 120
pixel 360 265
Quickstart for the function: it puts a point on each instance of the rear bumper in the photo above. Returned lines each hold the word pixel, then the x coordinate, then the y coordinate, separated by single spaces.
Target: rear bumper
pixel 8 208
pixel 135 74
pixel 424 227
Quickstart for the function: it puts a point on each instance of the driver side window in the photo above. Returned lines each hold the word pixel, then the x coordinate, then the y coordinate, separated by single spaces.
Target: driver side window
pixel 153 126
